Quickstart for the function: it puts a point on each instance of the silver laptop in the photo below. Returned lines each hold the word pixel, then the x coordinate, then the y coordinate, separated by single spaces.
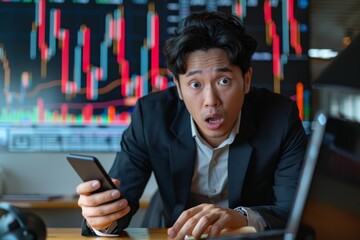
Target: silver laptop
pixel 328 194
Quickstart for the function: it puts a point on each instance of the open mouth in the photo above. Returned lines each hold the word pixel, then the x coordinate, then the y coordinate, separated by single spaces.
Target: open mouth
pixel 214 122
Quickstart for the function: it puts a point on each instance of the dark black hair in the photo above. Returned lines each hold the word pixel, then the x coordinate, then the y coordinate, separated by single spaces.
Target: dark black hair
pixel 206 30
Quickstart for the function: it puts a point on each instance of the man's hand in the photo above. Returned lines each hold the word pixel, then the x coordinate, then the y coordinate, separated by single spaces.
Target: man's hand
pixel 99 209
pixel 206 219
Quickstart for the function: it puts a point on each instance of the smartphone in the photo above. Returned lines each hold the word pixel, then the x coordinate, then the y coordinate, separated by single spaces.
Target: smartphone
pixel 90 168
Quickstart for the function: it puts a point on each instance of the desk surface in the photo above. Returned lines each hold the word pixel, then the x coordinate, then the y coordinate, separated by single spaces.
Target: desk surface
pixel 62 202
pixel 129 233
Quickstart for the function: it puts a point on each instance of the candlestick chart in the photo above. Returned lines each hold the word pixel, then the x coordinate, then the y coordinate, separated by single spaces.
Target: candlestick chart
pixel 81 63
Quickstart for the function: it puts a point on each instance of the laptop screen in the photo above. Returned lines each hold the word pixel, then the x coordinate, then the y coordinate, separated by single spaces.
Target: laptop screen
pixel 332 206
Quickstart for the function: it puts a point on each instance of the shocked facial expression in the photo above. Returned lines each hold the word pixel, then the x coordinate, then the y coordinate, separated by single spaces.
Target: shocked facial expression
pixel 213 91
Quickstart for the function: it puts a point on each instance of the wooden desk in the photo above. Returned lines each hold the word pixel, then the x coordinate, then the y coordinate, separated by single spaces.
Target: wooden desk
pixel 130 233
pixel 63 202
pixel 64 212
pixel 67 202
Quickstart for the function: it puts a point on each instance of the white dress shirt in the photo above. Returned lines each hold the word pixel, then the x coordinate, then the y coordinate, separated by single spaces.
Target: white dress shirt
pixel 209 183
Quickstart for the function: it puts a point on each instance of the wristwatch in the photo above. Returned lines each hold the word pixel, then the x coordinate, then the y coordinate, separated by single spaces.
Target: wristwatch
pixel 241 210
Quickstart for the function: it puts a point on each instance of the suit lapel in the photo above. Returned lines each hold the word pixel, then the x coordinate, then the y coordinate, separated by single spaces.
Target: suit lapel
pixel 239 158
pixel 182 159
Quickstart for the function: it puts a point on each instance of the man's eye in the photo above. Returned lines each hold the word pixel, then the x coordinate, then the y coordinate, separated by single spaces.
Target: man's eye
pixel 224 81
pixel 194 85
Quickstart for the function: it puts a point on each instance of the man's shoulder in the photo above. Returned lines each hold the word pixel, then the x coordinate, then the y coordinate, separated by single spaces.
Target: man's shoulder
pixel 265 96
pixel 164 101
pixel 263 103
pixel 165 106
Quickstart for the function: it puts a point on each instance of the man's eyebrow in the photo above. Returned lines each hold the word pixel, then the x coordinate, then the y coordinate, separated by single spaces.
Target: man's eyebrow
pixel 220 69
pixel 223 69
pixel 189 74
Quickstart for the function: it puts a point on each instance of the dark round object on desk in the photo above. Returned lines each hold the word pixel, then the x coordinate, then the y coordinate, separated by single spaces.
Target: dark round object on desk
pixel 16 224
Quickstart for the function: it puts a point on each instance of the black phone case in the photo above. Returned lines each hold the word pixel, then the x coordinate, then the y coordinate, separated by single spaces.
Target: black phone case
pixel 89 168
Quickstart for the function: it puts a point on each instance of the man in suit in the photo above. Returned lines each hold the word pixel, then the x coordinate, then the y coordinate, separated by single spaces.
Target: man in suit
pixel 224 155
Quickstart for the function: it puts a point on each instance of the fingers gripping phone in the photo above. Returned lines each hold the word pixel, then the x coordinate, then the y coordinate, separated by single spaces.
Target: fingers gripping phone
pixel 89 168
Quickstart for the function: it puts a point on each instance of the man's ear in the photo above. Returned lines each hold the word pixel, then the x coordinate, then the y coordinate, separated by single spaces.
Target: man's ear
pixel 178 87
pixel 247 80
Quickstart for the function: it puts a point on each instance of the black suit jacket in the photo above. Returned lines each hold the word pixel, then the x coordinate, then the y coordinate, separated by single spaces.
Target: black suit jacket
pixel 263 166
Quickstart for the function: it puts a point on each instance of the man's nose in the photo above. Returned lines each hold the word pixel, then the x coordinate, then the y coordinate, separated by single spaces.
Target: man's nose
pixel 211 97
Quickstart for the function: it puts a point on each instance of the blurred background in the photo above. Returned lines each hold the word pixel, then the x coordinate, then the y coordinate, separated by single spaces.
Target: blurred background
pixel 71 72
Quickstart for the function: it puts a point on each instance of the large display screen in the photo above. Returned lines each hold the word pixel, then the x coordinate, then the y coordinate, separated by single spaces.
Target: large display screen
pixel 71 71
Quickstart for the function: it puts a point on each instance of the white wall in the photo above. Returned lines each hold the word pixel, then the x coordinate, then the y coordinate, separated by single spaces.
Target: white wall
pixel 50 173
pixel 47 173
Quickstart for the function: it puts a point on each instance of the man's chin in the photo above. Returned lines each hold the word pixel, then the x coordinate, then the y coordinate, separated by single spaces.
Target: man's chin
pixel 215 136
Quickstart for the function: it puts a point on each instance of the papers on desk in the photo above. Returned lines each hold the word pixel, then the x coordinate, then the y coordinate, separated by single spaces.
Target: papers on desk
pixel 29 197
